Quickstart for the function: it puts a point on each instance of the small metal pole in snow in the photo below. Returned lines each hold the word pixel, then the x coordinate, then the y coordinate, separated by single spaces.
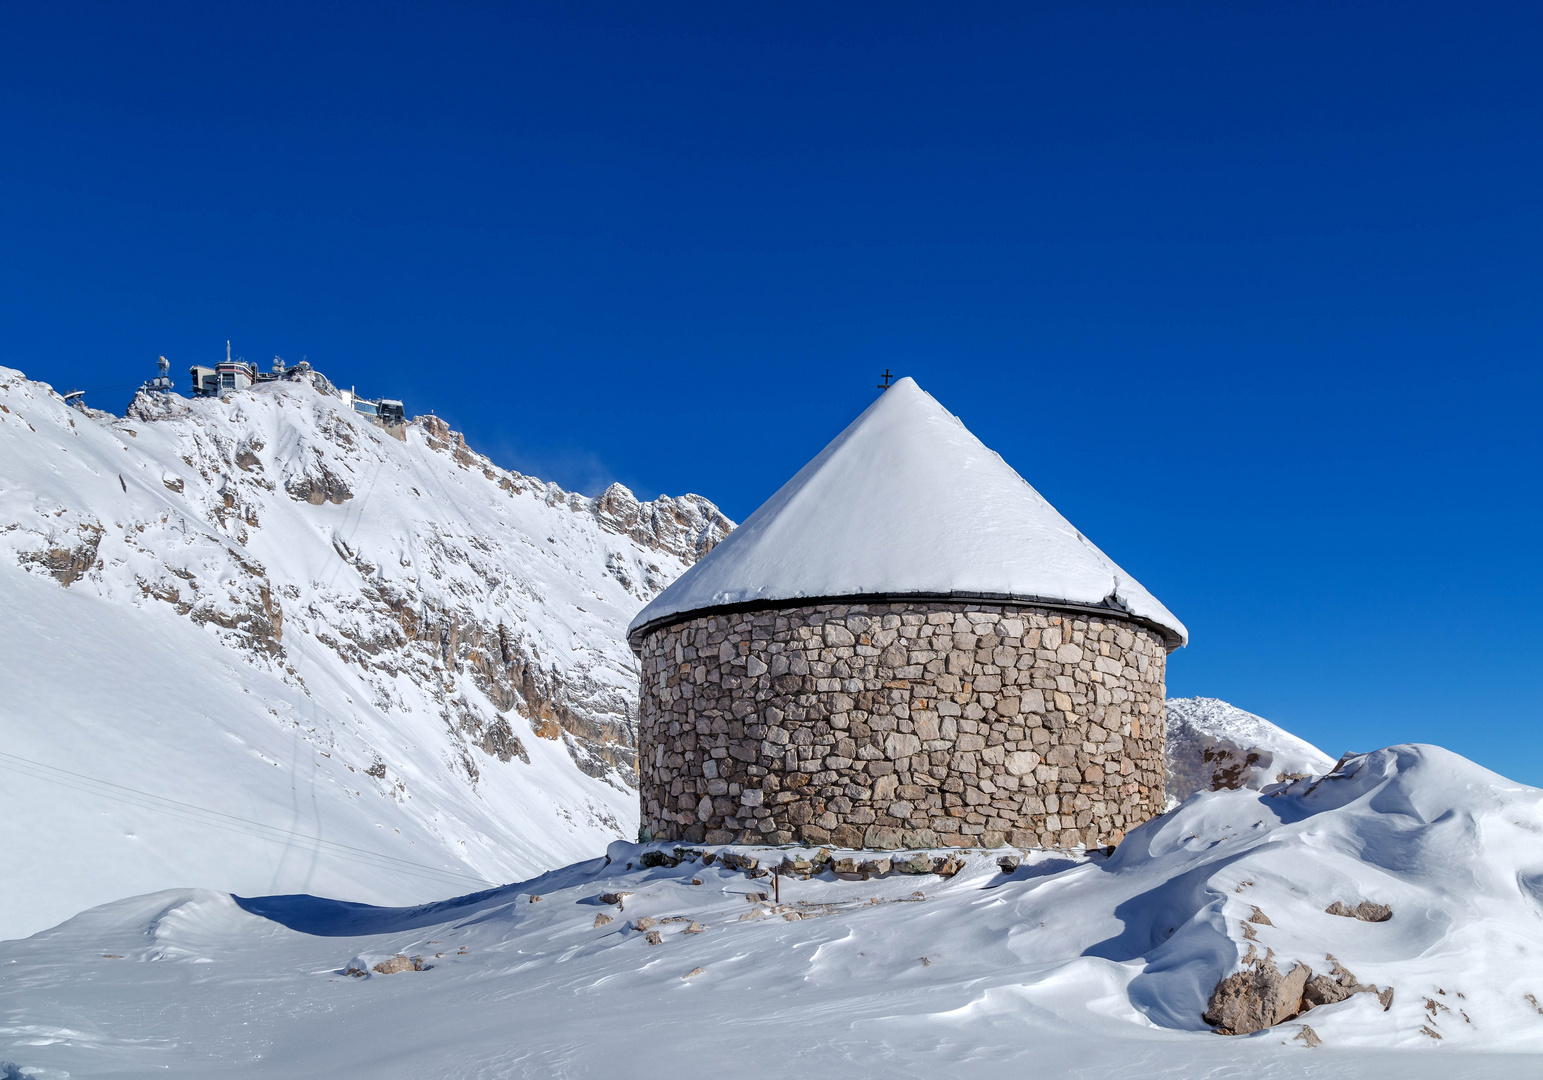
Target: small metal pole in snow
pixel 776 886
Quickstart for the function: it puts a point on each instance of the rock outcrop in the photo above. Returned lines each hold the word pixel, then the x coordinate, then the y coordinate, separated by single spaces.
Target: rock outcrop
pixel 1261 995
pixel 240 451
pixel 1366 911
pixel 1257 998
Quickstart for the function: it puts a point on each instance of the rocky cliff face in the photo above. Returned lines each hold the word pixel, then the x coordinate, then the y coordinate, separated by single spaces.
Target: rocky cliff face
pixel 456 610
pixel 430 614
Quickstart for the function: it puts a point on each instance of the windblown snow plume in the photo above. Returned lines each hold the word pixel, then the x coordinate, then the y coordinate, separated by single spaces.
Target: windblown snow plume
pixel 261 644
pixel 1213 745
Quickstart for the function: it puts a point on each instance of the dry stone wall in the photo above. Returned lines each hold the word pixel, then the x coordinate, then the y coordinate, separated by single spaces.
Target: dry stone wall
pixel 901 726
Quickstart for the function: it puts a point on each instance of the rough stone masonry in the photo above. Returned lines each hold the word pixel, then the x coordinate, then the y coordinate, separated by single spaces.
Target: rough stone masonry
pixel 901 725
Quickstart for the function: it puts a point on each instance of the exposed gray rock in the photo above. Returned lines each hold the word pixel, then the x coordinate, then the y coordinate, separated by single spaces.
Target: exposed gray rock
pixel 399 963
pixel 1335 986
pixel 1260 996
pixel 1255 999
pixel 67 558
pixel 319 487
pixel 687 525
pixel 1366 911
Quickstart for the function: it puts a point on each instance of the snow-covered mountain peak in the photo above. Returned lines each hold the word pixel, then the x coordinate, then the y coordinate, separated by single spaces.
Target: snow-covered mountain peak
pixel 1212 745
pixel 277 570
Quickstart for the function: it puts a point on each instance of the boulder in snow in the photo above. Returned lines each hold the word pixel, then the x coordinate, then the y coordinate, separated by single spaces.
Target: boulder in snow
pixel 1256 998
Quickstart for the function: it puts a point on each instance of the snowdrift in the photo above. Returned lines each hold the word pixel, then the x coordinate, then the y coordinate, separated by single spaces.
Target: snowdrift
pixel 1080 965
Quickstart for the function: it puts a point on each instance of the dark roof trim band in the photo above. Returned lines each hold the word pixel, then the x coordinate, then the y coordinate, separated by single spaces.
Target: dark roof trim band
pixel 1171 640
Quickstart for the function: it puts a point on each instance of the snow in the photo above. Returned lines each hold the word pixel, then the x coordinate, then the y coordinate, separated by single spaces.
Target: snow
pixel 243 691
pixel 256 717
pixel 907 501
pixel 1211 744
pixel 1071 965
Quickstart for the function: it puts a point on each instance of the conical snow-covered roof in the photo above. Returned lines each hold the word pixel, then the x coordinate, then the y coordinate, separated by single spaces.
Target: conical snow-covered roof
pixel 906 502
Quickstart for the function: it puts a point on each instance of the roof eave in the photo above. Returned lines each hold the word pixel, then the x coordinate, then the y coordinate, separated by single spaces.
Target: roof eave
pixel 1172 639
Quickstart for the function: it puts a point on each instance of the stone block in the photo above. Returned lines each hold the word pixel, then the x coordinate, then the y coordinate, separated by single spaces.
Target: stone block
pixel 1021 762
pixel 847 836
pixel 838 636
pixel 1062 755
pixel 882 838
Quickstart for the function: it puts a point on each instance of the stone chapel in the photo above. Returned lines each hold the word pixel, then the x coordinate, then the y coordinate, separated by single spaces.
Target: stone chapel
pixel 905 647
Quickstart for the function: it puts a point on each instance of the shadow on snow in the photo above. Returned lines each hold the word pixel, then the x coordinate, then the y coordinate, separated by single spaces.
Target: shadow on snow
pixel 322 917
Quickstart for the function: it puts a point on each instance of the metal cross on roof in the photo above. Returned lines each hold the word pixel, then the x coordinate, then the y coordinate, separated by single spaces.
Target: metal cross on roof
pixel 887 376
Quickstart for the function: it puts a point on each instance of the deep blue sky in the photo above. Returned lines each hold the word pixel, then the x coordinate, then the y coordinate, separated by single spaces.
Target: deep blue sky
pixel 1249 291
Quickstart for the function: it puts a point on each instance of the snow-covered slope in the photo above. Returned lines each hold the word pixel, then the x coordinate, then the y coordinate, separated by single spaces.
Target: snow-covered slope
pixel 1213 745
pixel 1067 966
pixel 261 644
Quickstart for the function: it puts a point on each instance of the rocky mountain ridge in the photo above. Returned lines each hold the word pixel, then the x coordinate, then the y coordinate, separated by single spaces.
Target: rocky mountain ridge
pixel 427 611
